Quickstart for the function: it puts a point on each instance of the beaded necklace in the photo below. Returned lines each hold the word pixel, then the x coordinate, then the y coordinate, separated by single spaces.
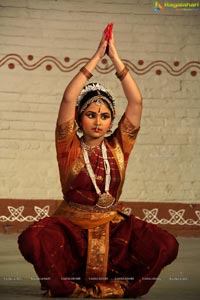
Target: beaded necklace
pixel 105 200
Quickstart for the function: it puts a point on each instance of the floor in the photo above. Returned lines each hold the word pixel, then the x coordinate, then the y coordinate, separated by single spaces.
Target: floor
pixel 179 281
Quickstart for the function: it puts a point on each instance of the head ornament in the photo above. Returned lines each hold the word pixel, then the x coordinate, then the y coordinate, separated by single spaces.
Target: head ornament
pixel 102 94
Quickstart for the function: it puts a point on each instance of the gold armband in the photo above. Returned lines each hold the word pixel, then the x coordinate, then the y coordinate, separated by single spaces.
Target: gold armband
pixel 121 75
pixel 85 72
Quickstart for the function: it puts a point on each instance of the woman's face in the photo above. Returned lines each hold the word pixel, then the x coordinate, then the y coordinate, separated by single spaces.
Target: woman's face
pixel 96 121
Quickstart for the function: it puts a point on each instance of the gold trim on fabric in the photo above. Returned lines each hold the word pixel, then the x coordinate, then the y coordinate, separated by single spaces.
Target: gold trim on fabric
pixel 76 168
pixel 112 289
pixel 97 257
pixel 65 129
pixel 129 129
pixel 91 208
pixel 119 158
pixel 84 219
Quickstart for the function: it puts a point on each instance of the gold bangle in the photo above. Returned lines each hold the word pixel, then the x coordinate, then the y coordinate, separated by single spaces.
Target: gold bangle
pixel 85 72
pixel 121 75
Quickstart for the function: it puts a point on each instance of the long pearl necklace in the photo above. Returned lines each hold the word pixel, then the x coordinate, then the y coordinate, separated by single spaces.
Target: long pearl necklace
pixel 105 200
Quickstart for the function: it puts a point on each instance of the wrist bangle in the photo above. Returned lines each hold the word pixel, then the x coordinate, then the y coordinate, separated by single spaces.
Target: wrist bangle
pixel 85 72
pixel 121 75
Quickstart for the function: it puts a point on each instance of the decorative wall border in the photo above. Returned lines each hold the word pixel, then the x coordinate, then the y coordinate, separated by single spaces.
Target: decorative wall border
pixel 140 68
pixel 178 218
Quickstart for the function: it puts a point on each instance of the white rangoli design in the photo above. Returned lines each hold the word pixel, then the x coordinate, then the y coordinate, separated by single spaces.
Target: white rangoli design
pixel 176 217
pixel 150 216
pixel 16 214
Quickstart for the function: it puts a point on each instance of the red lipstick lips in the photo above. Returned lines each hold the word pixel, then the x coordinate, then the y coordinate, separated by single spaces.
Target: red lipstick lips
pixel 96 129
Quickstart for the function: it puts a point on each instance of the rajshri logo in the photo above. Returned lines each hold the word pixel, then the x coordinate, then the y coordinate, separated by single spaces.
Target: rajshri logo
pixel 176 6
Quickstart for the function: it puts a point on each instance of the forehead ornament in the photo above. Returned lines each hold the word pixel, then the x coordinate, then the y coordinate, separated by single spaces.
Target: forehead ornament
pixel 98 99
pixel 98 102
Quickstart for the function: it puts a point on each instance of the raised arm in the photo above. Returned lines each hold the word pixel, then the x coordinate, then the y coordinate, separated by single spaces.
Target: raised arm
pixel 72 91
pixel 131 90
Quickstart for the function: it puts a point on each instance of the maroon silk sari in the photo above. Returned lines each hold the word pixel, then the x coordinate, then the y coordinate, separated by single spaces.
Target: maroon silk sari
pixel 84 251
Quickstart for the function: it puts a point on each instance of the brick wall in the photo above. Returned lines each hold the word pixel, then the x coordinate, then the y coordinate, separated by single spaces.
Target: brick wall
pixel 44 43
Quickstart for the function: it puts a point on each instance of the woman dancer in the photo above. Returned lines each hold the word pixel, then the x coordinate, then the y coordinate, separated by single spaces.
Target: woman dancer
pixel 92 246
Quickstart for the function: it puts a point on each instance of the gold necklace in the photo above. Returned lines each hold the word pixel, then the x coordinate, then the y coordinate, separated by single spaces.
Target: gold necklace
pixel 87 147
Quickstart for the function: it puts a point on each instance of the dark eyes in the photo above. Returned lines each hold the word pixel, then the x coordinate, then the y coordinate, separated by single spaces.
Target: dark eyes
pixel 90 115
pixel 104 116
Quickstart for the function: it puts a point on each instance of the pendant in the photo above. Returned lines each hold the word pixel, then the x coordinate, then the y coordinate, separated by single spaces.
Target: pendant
pixel 105 200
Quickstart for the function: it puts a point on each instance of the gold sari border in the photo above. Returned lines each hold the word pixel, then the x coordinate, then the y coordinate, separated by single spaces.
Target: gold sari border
pixel 97 254
pixel 84 219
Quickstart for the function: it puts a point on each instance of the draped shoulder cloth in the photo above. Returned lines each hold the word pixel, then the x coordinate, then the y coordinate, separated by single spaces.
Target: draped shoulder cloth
pixel 69 156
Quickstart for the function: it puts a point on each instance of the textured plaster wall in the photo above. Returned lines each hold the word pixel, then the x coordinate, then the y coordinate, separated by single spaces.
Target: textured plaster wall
pixel 165 164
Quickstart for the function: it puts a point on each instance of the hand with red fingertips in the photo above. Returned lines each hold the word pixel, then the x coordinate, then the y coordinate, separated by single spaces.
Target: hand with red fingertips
pixel 108 31
pixel 108 34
